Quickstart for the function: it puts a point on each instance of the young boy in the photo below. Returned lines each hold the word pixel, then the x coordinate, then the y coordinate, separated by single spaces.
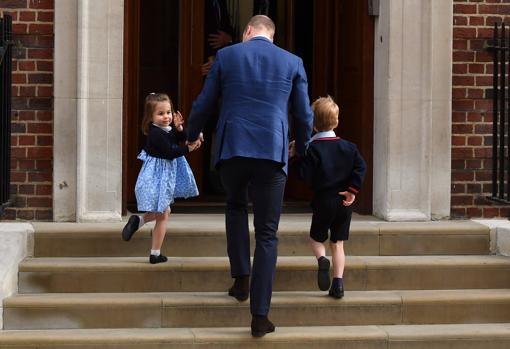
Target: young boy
pixel 334 169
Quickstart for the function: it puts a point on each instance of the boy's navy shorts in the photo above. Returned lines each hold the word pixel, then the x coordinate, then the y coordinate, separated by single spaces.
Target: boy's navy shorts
pixel 329 214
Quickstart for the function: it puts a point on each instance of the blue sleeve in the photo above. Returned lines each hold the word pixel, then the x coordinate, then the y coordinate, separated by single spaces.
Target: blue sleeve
pixel 205 104
pixel 301 112
pixel 305 166
pixel 358 172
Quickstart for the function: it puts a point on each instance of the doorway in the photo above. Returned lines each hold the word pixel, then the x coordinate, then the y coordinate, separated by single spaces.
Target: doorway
pixel 164 52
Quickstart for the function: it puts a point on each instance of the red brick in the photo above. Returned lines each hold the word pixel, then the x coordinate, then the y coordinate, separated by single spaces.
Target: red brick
pixel 463 104
pixel 460 45
pixel 475 93
pixel 463 56
pixel 474 117
pixel 44 115
pixel 476 20
pixel 26 140
pixel 487 9
pixel 25 214
pixel 18 153
pixel 18 78
pixel 458 188
pixel 484 81
pixel 475 164
pixel 458 116
pixel 26 189
pixel 458 140
pixel 27 91
pixel 463 81
pixel 463 200
pixel 476 68
pixel 481 176
pixel 462 176
pixel 18 177
pixel 459 93
pixel 39 202
pixel 483 104
pixel 45 66
pixel 27 16
pixel 460 20
pixel 26 65
pixel 44 140
pixel 40 53
pixel 483 152
pixel 483 56
pixel 40 177
pixel 464 33
pixel 39 127
pixel 490 212
pixel 464 8
pixel 42 165
pixel 458 212
pixel 462 129
pixel 27 115
pixel 41 4
pixel 19 28
pixel 461 68
pixel 474 212
pixel 40 78
pixel 40 153
pixel 13 14
pixel 475 140
pixel 462 153
pixel 40 28
pixel 47 91
pixel 26 165
pixel 43 189
pixel 485 33
pixel 483 129
pixel 45 16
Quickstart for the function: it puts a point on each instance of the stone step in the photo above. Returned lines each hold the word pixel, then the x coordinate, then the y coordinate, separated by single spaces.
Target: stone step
pixel 204 274
pixel 217 309
pixel 185 232
pixel 493 336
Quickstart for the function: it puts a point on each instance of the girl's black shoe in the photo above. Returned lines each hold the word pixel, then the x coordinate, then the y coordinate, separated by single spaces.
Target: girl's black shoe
pixel 130 228
pixel 336 292
pixel 157 259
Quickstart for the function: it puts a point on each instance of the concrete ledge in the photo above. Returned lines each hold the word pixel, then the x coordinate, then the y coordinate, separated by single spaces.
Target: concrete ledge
pixel 499 235
pixel 16 243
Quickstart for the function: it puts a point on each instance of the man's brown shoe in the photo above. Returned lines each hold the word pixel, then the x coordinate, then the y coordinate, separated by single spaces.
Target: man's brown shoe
pixel 240 290
pixel 260 326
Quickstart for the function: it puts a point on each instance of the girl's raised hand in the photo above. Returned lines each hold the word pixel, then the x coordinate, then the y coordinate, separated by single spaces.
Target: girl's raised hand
pixel 178 121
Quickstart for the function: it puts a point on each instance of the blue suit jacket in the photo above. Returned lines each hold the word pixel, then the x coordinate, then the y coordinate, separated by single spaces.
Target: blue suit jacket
pixel 257 82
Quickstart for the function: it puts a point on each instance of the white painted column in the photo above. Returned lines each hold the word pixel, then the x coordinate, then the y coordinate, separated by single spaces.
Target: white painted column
pixel 412 120
pixel 96 91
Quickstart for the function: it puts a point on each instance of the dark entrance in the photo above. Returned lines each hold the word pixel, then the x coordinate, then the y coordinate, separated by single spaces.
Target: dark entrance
pixel 164 51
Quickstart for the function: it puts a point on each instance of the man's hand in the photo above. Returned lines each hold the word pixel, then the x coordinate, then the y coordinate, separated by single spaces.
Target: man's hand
pixel 204 68
pixel 219 40
pixel 292 149
pixel 349 198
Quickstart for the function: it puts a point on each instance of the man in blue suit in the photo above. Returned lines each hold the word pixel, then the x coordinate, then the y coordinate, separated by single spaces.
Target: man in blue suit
pixel 256 82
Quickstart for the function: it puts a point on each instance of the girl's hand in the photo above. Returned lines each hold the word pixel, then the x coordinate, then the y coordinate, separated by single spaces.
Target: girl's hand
pixel 349 198
pixel 178 121
pixel 194 146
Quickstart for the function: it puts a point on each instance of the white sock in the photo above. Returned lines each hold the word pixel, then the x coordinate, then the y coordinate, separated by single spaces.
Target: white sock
pixel 142 222
pixel 155 252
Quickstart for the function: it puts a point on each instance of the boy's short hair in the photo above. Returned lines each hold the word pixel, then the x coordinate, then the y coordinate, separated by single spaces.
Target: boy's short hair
pixel 325 114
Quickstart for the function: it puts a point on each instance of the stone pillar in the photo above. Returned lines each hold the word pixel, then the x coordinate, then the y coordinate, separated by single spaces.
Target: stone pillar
pixel 412 120
pixel 88 110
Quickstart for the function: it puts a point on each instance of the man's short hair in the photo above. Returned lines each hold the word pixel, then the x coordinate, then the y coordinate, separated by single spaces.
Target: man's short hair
pixel 325 112
pixel 262 22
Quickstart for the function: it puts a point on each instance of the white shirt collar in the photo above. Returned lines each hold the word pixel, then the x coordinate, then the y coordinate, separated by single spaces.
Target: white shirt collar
pixel 166 128
pixel 325 134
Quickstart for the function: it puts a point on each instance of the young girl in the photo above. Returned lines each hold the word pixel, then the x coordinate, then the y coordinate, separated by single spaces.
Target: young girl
pixel 165 173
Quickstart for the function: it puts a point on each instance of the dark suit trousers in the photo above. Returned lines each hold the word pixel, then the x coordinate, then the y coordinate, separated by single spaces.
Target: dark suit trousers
pixel 264 181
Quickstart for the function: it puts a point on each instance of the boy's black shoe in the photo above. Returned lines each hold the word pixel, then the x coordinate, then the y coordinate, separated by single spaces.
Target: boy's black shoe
pixel 260 325
pixel 157 259
pixel 323 280
pixel 240 290
pixel 130 228
pixel 336 292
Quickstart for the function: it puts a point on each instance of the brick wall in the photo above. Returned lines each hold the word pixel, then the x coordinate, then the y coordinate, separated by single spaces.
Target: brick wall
pixel 32 109
pixel 472 107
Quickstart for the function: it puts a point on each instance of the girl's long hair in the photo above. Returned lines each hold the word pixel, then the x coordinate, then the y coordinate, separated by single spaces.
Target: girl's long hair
pixel 150 104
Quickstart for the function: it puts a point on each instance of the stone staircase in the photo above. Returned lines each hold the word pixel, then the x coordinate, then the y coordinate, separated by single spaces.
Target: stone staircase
pixel 408 285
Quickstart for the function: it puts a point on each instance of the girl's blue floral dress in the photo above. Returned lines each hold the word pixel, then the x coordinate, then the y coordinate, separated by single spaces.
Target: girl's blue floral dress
pixel 162 180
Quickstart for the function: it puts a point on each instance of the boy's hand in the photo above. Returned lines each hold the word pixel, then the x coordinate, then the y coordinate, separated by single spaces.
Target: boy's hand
pixel 349 198
pixel 292 149
pixel 178 121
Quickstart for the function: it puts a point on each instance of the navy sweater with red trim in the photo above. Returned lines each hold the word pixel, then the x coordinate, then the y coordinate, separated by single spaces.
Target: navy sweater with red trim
pixel 331 165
